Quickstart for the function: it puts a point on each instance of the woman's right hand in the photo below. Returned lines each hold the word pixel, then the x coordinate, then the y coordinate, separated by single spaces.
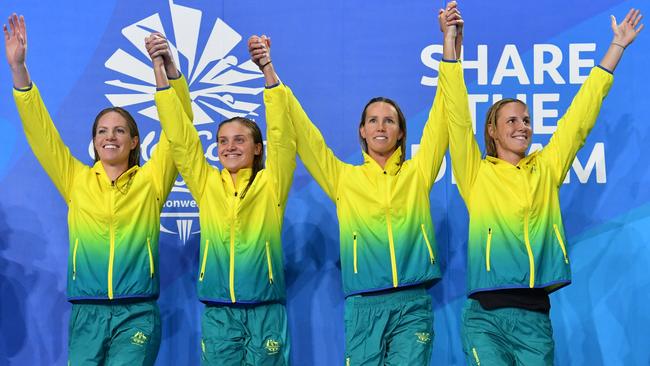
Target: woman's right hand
pixel 15 40
pixel 16 49
pixel 451 25
pixel 260 50
pixel 157 48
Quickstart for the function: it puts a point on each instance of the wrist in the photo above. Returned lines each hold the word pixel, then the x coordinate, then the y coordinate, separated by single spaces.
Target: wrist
pixel 618 45
pixel 172 71
pixel 265 64
pixel 450 34
pixel 620 41
pixel 18 66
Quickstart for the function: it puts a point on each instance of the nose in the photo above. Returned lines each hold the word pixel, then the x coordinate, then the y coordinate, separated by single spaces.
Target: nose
pixel 229 146
pixel 522 125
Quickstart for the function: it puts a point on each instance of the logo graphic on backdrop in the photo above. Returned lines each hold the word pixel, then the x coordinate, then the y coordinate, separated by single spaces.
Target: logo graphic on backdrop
pixel 218 85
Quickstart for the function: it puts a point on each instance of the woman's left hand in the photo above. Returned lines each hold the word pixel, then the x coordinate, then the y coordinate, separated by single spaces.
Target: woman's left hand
pixel 628 29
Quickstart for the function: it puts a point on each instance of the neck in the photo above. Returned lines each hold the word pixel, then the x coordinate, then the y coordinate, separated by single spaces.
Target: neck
pixel 113 171
pixel 510 157
pixel 381 159
pixel 233 175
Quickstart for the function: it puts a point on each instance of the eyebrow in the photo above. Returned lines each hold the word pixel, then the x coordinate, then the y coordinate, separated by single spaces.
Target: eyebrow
pixel 373 116
pixel 104 126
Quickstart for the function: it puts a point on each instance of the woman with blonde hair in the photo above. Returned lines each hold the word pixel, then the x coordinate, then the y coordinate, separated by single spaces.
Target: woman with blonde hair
pixel 516 250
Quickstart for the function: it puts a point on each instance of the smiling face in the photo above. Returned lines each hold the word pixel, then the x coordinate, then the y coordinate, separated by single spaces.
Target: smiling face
pixel 380 129
pixel 511 131
pixel 113 140
pixel 236 146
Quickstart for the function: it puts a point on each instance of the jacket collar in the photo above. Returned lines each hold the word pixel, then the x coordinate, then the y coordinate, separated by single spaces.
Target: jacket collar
pixel 392 164
pixel 523 162
pixel 98 169
pixel 243 175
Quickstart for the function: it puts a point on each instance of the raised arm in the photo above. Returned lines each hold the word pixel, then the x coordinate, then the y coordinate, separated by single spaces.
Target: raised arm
pixel 317 157
pixel 157 46
pixel 435 136
pixel 580 117
pixel 16 50
pixel 280 134
pixel 624 34
pixel 41 134
pixel 464 151
pixel 161 159
pixel 175 114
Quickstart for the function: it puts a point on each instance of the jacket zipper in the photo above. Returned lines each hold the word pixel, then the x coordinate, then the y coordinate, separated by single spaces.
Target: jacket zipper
pixel 150 258
pixel 74 259
pixel 354 250
pixel 268 259
pixel 475 353
pixel 487 249
pixel 204 261
pixel 531 259
pixel 426 239
pixel 391 244
pixel 231 276
pixel 559 239
pixel 111 254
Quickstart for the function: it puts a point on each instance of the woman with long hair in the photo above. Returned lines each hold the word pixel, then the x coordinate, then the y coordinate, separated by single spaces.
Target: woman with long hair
pixel 516 250
pixel 241 210
pixel 113 219
pixel 388 248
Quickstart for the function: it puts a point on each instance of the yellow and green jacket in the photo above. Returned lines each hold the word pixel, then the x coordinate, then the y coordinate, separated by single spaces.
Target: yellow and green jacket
pixel 516 236
pixel 113 226
pixel 241 249
pixel 386 234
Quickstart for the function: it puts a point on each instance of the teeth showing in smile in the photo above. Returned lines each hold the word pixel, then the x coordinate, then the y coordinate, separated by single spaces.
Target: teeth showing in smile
pixel 520 137
pixel 381 138
pixel 110 146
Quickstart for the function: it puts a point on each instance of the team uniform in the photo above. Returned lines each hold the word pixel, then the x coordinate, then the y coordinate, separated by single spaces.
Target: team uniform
pixel 113 277
pixel 241 274
pixel 387 242
pixel 516 235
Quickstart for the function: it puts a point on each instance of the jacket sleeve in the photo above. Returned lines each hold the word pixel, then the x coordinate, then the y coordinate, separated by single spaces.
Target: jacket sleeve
pixel 161 160
pixel 314 153
pixel 433 144
pixel 281 141
pixel 464 151
pixel 576 123
pixel 184 142
pixel 45 141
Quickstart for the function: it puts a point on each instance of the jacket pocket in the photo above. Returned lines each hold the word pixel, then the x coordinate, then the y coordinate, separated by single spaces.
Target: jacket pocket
pixel 354 250
pixel 426 240
pixel 268 261
pixel 151 269
pixel 74 259
pixel 559 240
pixel 488 248
pixel 204 261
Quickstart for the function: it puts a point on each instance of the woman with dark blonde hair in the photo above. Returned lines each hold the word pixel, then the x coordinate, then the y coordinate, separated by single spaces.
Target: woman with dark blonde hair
pixel 241 211
pixel 388 249
pixel 517 253
pixel 113 218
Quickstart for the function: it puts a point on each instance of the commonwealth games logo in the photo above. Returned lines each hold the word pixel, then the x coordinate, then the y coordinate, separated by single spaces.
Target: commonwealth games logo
pixel 217 81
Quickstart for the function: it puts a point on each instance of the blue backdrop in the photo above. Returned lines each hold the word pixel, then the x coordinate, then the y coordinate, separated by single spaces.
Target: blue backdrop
pixel 335 55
